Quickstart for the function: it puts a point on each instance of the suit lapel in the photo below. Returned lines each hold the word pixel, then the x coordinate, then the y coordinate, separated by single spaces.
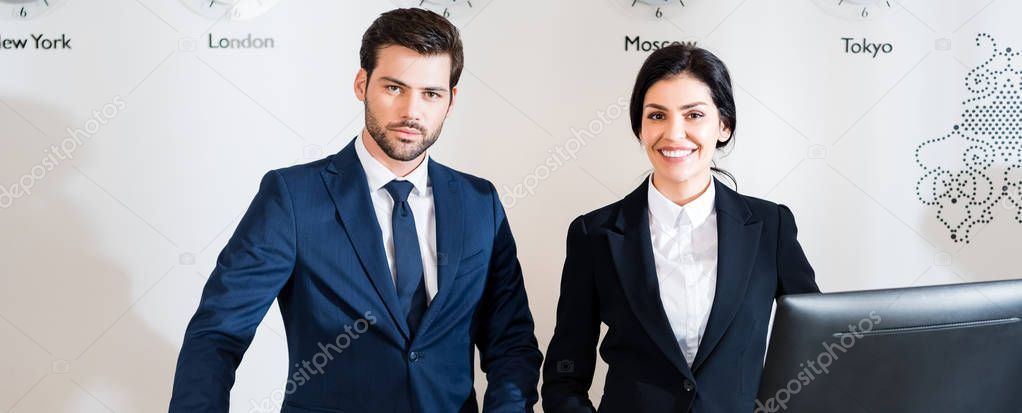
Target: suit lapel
pixel 346 182
pixel 632 251
pixel 447 203
pixel 738 242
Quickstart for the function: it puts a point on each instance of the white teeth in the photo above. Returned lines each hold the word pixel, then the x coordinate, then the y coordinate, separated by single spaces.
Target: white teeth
pixel 677 154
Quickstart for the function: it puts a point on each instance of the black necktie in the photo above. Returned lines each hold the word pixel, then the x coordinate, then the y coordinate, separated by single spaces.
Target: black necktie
pixel 411 287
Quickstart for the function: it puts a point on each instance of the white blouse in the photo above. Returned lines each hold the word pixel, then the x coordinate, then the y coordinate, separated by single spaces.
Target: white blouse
pixel 685 252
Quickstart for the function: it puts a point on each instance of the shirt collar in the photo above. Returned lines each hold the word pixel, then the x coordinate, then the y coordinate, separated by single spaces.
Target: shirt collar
pixel 666 213
pixel 377 175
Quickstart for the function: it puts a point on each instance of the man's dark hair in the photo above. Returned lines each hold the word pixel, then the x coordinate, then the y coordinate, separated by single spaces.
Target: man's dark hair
pixel 421 30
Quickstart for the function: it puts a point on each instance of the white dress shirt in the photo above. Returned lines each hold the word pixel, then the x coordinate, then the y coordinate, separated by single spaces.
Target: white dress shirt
pixel 421 202
pixel 685 251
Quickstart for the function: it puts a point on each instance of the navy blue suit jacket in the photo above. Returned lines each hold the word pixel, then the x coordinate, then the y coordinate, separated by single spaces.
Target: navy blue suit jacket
pixel 609 277
pixel 311 240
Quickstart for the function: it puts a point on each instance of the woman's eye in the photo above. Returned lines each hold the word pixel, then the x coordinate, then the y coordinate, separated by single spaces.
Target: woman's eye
pixel 695 115
pixel 656 116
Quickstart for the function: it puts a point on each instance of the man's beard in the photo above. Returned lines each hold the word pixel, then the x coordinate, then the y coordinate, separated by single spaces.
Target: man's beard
pixel 395 150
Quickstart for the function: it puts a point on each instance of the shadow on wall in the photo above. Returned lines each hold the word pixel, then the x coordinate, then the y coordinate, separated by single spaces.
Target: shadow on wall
pixel 69 309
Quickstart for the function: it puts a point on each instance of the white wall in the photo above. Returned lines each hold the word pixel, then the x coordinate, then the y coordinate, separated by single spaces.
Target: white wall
pixel 103 264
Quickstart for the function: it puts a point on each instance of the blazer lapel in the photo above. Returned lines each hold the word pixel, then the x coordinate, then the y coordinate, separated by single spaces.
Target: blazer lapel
pixel 632 252
pixel 447 201
pixel 346 182
pixel 738 242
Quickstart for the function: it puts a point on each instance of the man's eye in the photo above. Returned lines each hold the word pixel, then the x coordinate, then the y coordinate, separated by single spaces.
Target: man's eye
pixel 392 88
pixel 433 95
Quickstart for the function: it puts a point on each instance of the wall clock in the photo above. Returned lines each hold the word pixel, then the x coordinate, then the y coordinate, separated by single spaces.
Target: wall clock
pixel 231 9
pixel 858 9
pixel 25 9
pixel 450 9
pixel 657 9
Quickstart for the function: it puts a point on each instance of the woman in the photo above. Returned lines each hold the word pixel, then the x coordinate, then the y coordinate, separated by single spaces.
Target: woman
pixel 683 271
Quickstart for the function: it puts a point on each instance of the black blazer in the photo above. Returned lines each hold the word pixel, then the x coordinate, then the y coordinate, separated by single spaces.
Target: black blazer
pixel 609 277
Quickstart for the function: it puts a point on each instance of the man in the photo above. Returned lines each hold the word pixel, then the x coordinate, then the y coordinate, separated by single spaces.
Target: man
pixel 389 267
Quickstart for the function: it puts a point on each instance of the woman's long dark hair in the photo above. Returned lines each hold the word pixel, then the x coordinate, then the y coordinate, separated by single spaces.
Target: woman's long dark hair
pixel 677 59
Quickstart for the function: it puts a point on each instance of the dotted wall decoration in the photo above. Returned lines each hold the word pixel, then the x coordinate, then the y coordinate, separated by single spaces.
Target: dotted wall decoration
pixel 977 167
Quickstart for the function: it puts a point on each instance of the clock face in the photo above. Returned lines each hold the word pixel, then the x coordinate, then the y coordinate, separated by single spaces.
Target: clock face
pixel 653 9
pixel 231 9
pixel 451 9
pixel 858 9
pixel 25 9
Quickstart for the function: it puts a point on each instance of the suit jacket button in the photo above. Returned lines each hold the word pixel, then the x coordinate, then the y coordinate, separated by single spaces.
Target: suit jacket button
pixel 413 356
pixel 689 386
